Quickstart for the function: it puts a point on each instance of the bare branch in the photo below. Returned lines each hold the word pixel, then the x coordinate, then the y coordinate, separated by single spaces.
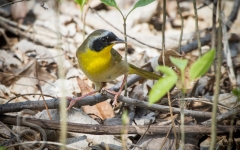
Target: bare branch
pixel 117 129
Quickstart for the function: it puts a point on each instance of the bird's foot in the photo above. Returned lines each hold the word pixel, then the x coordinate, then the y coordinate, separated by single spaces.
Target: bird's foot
pixel 115 97
pixel 73 101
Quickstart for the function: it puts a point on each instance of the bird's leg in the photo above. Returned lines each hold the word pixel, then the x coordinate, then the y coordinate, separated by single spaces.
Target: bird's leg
pixel 74 100
pixel 119 91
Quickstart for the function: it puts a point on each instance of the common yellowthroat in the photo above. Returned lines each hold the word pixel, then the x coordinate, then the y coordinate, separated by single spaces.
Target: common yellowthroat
pixel 101 63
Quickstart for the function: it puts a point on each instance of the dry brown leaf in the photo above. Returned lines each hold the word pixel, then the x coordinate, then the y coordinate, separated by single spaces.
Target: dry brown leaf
pixel 25 82
pixel 4 92
pixel 9 79
pixel 7 61
pixel 28 48
pixel 229 100
pixel 45 76
pixel 188 83
pixel 103 110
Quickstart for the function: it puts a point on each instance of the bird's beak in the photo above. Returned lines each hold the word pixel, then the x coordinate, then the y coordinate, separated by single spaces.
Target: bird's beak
pixel 118 41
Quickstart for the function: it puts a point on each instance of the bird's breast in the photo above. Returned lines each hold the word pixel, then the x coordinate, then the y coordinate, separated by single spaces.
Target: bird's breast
pixel 95 64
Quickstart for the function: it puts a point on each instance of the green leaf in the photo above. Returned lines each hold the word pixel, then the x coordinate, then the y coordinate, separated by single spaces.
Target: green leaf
pixel 236 92
pixel 180 63
pixel 142 3
pixel 81 2
pixel 201 66
pixel 125 118
pixel 2 148
pixel 110 3
pixel 163 85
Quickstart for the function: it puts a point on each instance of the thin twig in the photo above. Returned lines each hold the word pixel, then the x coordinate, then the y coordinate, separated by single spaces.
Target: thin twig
pixel 150 122
pixel 122 32
pixel 162 108
pixel 206 101
pixel 25 28
pixel 91 100
pixel 182 25
pixel 84 14
pixel 213 40
pixel 196 28
pixel 217 82
pixel 20 95
pixel 37 39
pixel 61 73
pixel 165 139
pixel 163 31
pixel 54 103
pixel 228 56
pixel 172 118
pixel 222 117
pixel 40 89
pixel 163 57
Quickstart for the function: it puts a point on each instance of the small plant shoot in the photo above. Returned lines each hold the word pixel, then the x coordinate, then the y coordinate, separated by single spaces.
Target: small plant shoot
pixel 236 92
pixel 163 85
pixel 180 63
pixel 125 118
pixel 202 65
pixel 81 3
pixel 140 3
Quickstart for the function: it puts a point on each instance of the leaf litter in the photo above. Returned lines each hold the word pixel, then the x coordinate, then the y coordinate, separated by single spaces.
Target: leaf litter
pixel 35 59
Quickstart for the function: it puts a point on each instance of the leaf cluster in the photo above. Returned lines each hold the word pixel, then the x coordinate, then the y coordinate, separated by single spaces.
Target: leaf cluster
pixel 165 84
pixel 140 3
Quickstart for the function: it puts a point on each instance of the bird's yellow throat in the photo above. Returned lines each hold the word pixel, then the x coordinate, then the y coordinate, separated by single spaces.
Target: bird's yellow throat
pixel 95 62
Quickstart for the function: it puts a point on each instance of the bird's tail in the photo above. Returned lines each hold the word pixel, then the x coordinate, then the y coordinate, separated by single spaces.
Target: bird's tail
pixel 143 73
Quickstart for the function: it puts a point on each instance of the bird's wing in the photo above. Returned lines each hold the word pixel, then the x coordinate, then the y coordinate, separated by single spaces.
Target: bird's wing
pixel 116 56
pixel 133 69
pixel 143 73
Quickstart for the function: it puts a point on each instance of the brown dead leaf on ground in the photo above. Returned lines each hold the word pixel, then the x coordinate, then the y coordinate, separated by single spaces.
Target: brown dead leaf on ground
pixel 103 110
pixel 172 53
pixel 11 78
pixel 24 80
pixel 7 61
pixel 39 41
pixel 4 94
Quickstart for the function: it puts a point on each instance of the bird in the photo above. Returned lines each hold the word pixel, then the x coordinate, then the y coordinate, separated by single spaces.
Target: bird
pixel 100 62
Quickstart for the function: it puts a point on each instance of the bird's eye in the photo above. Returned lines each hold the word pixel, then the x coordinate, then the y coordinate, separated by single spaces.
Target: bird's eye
pixel 103 39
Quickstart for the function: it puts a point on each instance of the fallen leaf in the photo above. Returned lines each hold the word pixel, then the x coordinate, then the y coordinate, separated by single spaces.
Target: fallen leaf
pixel 4 92
pixel 103 110
pixel 188 83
